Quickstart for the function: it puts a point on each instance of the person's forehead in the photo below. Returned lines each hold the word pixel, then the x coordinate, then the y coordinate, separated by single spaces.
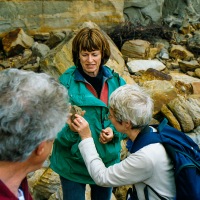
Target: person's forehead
pixel 86 51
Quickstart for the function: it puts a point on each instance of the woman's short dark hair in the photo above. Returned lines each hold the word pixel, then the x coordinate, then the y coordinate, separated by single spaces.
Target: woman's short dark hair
pixel 90 39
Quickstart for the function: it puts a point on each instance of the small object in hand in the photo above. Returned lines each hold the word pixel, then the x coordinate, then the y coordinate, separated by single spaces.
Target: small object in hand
pixel 76 110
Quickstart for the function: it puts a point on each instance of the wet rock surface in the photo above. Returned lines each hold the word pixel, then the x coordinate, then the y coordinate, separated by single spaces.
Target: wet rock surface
pixel 168 67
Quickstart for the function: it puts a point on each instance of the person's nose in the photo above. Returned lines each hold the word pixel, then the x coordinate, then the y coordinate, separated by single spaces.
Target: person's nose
pixel 90 58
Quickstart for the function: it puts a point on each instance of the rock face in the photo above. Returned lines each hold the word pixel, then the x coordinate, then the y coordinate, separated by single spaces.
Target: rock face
pixel 143 10
pixel 136 49
pixel 138 65
pixel 42 16
pixel 16 41
pixel 168 69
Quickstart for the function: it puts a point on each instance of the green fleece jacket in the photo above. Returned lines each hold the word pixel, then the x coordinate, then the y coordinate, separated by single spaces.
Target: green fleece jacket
pixel 66 159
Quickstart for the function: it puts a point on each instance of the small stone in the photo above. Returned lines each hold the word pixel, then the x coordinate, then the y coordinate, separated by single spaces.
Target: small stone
pixel 76 110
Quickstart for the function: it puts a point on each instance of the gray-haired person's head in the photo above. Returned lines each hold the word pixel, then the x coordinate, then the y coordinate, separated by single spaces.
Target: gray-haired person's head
pixel 132 103
pixel 33 108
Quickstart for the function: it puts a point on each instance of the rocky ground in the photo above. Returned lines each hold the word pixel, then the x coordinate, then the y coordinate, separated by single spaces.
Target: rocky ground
pixel 164 60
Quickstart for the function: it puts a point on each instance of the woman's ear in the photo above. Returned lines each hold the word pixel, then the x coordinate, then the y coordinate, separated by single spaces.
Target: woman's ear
pixel 127 125
pixel 40 149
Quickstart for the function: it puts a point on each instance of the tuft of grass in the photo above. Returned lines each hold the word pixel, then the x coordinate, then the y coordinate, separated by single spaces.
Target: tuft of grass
pixel 129 31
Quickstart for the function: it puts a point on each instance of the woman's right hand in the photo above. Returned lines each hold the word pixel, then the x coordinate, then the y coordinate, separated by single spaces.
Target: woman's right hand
pixel 82 127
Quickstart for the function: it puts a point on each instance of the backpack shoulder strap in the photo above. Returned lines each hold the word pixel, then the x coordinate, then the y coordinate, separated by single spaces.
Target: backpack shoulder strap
pixel 144 138
pixel 146 193
pixel 161 126
pixel 178 140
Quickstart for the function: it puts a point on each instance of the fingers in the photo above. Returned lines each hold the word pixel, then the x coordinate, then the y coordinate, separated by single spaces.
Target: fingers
pixel 102 139
pixel 81 126
pixel 78 122
pixel 105 137
pixel 73 125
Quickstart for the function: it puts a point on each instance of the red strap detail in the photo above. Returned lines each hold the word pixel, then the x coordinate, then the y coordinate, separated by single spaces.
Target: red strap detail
pixel 91 89
pixel 104 93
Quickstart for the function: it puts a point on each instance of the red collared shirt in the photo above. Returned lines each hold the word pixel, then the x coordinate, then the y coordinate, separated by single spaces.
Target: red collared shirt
pixel 6 194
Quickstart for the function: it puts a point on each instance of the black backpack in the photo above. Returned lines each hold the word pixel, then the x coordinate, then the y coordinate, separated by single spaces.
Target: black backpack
pixel 184 153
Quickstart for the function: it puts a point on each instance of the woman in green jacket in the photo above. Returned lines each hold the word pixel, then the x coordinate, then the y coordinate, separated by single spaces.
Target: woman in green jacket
pixel 89 84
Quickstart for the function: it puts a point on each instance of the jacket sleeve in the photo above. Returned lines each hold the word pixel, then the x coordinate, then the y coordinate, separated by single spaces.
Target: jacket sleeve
pixel 67 137
pixel 129 171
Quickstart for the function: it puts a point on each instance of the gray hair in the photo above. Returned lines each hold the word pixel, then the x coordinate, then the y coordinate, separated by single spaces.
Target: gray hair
pixel 132 103
pixel 33 108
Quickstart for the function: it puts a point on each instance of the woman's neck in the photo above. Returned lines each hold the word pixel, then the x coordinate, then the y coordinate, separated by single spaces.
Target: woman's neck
pixel 133 134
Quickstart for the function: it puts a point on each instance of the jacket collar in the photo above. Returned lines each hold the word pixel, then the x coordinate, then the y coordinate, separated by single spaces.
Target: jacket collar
pixel 106 73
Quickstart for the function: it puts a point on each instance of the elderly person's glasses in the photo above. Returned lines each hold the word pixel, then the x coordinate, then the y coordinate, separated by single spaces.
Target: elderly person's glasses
pixel 111 116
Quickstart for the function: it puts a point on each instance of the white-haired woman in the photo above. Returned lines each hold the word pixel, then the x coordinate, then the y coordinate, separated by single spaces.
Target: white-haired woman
pixel 130 112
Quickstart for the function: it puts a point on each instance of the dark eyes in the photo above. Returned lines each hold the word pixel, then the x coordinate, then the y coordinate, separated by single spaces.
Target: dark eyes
pixel 84 55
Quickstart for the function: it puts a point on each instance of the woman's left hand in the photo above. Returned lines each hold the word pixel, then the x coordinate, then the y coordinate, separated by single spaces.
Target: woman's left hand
pixel 106 135
pixel 82 127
